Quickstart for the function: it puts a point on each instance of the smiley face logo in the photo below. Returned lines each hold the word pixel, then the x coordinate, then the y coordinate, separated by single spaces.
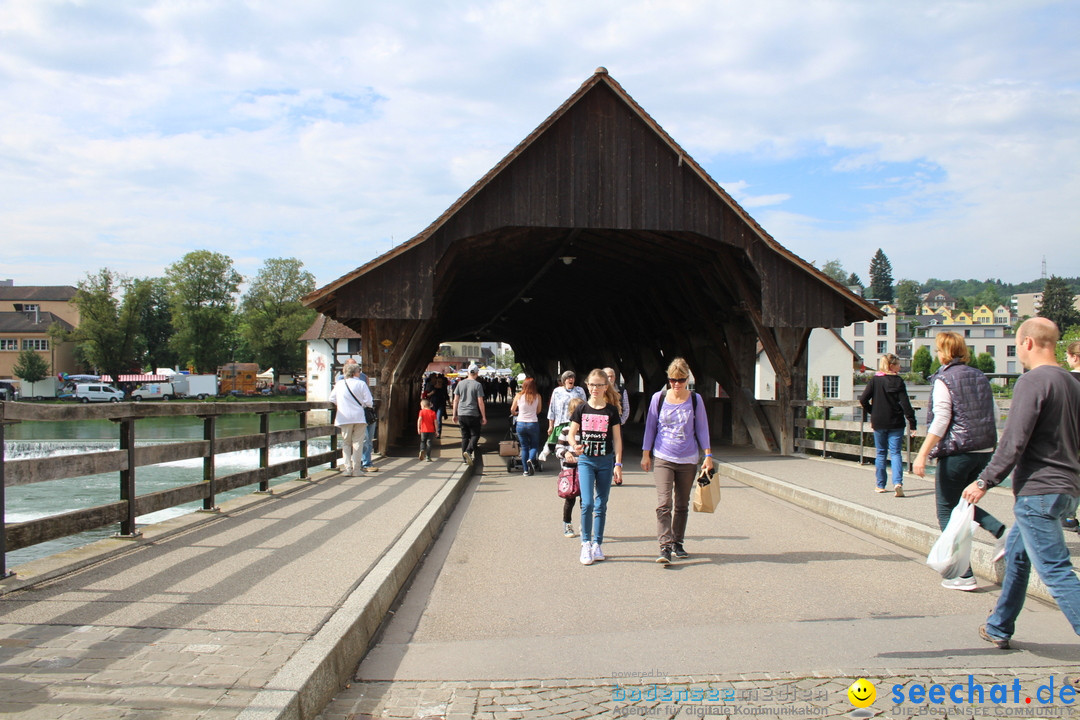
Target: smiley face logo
pixel 862 693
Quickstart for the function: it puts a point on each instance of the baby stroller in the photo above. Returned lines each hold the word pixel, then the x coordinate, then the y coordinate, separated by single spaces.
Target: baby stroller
pixel 510 448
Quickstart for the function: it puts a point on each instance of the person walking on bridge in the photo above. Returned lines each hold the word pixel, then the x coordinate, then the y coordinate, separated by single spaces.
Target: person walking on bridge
pixel 351 395
pixel 961 433
pixel 676 428
pixel 1041 447
pixel 470 413
pixel 886 401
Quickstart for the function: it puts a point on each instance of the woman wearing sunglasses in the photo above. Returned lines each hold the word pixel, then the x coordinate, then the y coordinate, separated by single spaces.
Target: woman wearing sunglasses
pixel 675 428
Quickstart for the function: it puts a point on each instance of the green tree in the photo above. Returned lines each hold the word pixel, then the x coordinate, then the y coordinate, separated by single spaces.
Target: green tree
pixel 881 278
pixel 907 296
pixel 155 325
pixel 273 318
pixel 921 361
pixel 30 367
pixel 835 270
pixel 1057 304
pixel 985 362
pixel 202 299
pixel 853 280
pixel 108 334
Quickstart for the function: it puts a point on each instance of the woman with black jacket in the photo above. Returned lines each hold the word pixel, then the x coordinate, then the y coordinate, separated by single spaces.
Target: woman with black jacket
pixel 885 400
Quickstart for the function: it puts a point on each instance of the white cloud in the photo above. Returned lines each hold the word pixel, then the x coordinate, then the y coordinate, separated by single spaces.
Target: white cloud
pixel 132 133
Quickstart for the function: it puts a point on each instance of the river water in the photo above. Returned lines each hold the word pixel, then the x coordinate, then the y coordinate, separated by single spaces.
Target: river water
pixel 45 439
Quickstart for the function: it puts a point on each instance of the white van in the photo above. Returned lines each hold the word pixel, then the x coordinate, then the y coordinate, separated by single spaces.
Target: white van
pixel 93 392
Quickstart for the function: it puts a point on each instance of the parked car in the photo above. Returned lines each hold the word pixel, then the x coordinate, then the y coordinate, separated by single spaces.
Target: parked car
pixel 8 391
pixel 92 392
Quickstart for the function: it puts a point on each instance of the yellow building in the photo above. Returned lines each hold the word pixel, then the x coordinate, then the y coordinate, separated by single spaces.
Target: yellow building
pixel 982 315
pixel 25 316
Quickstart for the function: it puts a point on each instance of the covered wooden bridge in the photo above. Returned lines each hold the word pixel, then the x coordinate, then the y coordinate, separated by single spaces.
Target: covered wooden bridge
pixel 597 241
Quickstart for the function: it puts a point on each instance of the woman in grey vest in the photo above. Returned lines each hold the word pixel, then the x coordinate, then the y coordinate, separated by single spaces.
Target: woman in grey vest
pixel 961 433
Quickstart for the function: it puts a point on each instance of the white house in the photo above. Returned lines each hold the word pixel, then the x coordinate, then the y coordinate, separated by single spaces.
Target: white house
pixel 831 363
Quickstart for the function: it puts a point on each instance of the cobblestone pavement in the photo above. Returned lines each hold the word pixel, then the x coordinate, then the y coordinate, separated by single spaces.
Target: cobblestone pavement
pixel 134 673
pixel 1007 694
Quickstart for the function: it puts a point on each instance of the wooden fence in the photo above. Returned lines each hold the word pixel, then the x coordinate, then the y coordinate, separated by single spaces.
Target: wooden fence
pixel 127 458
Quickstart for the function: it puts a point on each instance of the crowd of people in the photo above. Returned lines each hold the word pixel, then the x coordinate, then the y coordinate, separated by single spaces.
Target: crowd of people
pixel 1039 448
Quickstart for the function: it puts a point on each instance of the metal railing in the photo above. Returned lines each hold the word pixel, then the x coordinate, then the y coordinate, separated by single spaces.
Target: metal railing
pixel 864 451
pixel 127 458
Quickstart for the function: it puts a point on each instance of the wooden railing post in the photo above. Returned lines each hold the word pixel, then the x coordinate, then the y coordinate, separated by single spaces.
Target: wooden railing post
pixel 264 451
pixel 209 463
pixel 333 438
pixel 824 430
pixel 127 478
pixel 304 474
pixel 3 505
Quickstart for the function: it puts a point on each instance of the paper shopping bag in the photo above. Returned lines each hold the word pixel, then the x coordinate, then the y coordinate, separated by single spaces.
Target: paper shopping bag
pixel 706 497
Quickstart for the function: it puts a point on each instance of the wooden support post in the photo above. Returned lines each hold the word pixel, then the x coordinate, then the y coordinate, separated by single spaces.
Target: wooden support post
pixel 209 464
pixel 304 474
pixel 3 526
pixel 264 451
pixel 127 479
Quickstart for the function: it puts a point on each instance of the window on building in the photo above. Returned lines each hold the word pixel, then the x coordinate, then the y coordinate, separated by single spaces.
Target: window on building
pixel 990 350
pixel 858 329
pixel 30 307
pixel 859 346
pixel 967 333
pixel 883 328
pixel 354 345
pixel 882 347
pixel 9 344
pixel 35 344
pixel 830 386
pixel 1010 351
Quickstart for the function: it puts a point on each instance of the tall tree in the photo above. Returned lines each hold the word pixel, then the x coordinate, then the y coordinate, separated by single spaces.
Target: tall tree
pixel 108 334
pixel 1058 304
pixel 202 299
pixel 881 278
pixel 155 324
pixel 273 318
pixel 853 280
pixel 907 296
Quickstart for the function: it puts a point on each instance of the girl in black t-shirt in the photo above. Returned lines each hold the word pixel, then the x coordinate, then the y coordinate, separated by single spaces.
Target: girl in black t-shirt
pixel 599 456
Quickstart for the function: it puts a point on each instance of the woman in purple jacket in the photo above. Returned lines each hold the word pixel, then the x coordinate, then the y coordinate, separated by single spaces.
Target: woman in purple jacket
pixel 675 428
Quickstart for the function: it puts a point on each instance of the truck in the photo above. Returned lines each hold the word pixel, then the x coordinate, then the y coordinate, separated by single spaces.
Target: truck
pixel 238 379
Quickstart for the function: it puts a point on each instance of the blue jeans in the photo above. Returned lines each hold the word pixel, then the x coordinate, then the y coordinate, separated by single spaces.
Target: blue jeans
pixel 439 412
pixel 369 445
pixel 888 442
pixel 529 435
pixel 1036 539
pixel 594 477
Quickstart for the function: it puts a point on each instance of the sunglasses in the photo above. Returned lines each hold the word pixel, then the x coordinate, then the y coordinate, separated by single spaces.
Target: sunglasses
pixel 676 380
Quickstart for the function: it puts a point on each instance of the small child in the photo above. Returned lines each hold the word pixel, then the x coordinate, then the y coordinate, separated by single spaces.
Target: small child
pixel 425 425
pixel 567 461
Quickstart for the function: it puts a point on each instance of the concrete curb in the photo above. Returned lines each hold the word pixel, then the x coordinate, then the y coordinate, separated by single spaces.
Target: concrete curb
pixel 325 663
pixel 911 535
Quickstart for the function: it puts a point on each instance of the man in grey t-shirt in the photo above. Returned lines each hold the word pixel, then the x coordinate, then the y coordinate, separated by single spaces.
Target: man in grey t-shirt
pixel 470 413
pixel 1041 447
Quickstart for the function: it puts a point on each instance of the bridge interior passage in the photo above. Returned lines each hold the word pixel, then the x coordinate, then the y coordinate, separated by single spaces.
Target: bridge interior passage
pixel 597 241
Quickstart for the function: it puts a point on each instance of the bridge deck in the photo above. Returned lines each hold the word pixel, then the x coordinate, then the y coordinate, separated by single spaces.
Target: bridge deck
pixel 262 611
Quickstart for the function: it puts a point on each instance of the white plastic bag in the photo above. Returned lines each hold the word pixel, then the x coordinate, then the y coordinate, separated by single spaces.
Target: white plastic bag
pixel 951 554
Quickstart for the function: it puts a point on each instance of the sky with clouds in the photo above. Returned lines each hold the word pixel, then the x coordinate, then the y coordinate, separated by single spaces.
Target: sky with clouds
pixel 135 131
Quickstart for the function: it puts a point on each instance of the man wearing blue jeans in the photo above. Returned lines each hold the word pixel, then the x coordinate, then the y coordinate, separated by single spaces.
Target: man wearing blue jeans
pixel 369 440
pixel 1041 446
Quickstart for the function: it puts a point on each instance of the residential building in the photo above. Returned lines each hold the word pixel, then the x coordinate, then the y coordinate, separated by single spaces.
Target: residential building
pixel 996 340
pixel 938 299
pixel 871 340
pixel 26 313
